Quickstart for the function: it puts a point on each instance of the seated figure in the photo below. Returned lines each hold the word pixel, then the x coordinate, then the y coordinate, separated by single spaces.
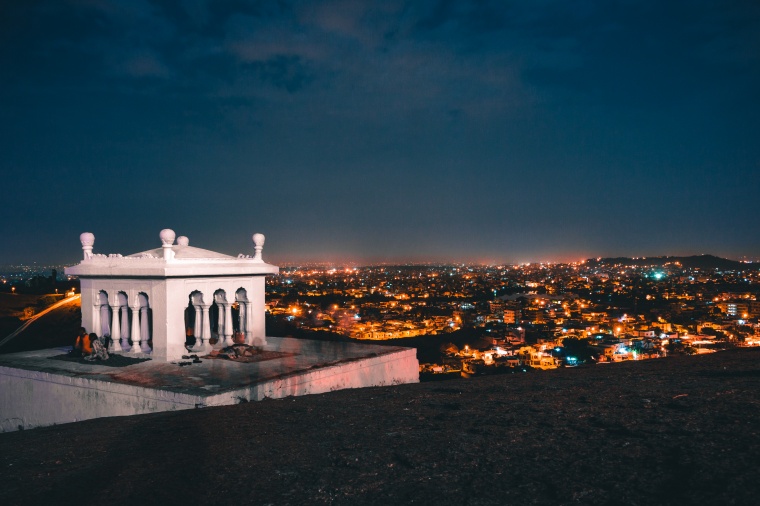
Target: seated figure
pixel 87 343
pixel 76 351
pixel 98 351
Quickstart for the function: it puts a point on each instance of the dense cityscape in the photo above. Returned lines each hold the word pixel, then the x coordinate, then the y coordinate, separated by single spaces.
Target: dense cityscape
pixel 475 319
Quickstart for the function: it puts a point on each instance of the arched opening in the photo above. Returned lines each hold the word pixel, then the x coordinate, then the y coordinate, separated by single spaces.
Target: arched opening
pixel 194 320
pixel 235 308
pixel 141 326
pixel 213 318
pixel 190 324
pixel 120 327
pixel 124 321
pixel 221 319
pixel 243 315
pixel 103 326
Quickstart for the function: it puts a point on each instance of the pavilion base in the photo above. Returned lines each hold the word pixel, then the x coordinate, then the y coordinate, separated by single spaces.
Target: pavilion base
pixel 37 389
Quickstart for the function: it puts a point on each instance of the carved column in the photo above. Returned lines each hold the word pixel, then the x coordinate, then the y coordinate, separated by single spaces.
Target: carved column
pixel 136 328
pixel 228 324
pixel 104 323
pixel 145 328
pixel 124 326
pixel 198 327
pixel 96 315
pixel 115 327
pixel 220 324
pixel 206 326
pixel 242 318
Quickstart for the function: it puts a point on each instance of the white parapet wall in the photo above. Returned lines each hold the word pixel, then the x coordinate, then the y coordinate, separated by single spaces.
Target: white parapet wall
pixel 385 370
pixel 30 399
pixel 39 396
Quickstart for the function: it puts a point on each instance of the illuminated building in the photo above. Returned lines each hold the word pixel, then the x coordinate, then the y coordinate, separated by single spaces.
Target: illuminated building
pixel 151 297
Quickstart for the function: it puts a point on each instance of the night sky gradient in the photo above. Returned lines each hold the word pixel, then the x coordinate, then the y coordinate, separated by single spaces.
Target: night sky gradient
pixel 381 131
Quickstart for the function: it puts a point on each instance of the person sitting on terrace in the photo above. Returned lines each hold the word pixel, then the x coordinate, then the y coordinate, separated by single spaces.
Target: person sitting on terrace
pixel 79 342
pixel 87 343
pixel 99 351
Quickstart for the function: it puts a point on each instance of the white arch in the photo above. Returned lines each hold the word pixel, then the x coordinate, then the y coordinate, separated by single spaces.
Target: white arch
pixel 104 314
pixel 224 318
pixel 124 313
pixel 244 318
pixel 202 324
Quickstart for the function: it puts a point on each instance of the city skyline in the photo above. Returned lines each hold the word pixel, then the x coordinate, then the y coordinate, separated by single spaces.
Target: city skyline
pixel 366 132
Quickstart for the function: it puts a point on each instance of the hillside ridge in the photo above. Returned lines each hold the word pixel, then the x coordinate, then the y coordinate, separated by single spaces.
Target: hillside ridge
pixel 705 261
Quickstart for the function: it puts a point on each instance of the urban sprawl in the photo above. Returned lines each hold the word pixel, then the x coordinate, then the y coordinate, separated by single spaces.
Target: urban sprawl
pixel 483 319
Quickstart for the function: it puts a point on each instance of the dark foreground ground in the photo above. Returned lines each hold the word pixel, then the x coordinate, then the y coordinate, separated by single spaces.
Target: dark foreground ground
pixel 680 430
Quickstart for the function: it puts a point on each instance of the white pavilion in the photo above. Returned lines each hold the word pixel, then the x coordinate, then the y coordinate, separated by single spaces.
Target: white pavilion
pixel 156 298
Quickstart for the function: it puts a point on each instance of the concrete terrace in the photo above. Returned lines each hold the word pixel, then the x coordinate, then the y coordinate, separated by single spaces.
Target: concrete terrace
pixel 39 390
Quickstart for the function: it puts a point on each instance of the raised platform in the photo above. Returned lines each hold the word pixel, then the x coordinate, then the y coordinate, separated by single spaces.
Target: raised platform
pixel 39 389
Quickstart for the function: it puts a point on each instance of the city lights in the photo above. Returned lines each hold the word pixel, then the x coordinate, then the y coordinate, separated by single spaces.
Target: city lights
pixel 614 312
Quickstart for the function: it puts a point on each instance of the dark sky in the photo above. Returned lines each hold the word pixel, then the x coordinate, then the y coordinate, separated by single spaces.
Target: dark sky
pixel 381 131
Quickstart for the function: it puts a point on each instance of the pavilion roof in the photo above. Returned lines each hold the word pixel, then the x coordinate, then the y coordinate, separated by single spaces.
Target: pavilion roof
pixel 183 252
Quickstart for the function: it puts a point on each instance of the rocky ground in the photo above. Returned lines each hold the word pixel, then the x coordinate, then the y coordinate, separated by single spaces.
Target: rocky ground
pixel 681 430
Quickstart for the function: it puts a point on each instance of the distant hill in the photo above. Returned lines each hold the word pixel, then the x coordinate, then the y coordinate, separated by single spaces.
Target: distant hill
pixel 694 262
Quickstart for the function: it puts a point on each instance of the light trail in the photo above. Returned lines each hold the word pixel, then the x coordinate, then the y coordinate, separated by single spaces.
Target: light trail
pixel 34 318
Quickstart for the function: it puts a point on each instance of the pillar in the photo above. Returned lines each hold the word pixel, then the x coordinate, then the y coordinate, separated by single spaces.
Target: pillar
pixel 198 327
pixel 105 325
pixel 228 324
pixel 115 327
pixel 242 318
pixel 206 328
pixel 124 326
pixel 96 315
pixel 144 329
pixel 136 328
pixel 220 325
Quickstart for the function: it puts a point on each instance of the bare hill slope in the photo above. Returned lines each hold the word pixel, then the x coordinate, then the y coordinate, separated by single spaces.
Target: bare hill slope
pixel 674 431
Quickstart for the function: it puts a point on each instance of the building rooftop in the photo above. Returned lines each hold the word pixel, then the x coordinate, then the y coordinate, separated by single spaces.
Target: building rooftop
pixel 183 253
pixel 170 260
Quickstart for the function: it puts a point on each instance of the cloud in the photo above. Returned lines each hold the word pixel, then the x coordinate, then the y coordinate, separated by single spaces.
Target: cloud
pixel 283 71
pixel 145 65
pixel 253 39
pixel 468 17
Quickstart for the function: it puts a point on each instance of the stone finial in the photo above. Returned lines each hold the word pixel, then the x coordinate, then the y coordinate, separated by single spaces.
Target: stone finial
pixel 183 241
pixel 167 236
pixel 87 239
pixel 258 245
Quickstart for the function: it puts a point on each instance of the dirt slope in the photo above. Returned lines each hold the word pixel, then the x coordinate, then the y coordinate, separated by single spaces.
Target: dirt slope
pixel 672 431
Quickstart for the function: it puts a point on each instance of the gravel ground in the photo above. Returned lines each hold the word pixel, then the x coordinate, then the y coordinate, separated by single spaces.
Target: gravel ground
pixel 680 430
